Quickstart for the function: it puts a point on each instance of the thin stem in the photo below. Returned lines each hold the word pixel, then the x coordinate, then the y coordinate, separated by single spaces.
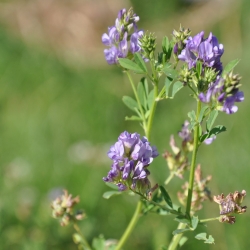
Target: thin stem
pixel 138 101
pixel 170 177
pixel 84 241
pixel 152 112
pixel 192 168
pixel 176 239
pixel 209 219
pixel 130 227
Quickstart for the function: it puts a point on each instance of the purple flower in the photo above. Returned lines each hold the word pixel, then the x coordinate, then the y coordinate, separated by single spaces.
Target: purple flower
pixel 120 39
pixel 224 93
pixel 131 156
pixel 185 133
pixel 208 51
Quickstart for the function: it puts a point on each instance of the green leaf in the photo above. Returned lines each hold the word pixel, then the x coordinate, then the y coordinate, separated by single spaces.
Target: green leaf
pixel 194 222
pixel 128 64
pixel 217 130
pixel 166 196
pixel 198 68
pixel 182 219
pixel 203 236
pixel 203 110
pixel 133 118
pixel 211 119
pixel 130 102
pixel 167 85
pixel 109 194
pixel 177 87
pixel 151 99
pixel 140 62
pixel 98 243
pixel 170 72
pixel 182 241
pixel 111 185
pixel 230 66
pixel 203 137
pixel 165 44
pixel 210 240
pixel 180 231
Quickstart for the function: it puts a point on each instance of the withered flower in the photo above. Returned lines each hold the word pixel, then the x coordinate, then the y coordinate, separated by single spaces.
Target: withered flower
pixel 231 204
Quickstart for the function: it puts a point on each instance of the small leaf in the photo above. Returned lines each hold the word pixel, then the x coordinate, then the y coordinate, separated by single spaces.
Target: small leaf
pixel 182 241
pixel 216 130
pixel 140 62
pixel 203 236
pixel 230 66
pixel 166 196
pixel 177 87
pixel 203 137
pixel 150 99
pixel 109 194
pixel 128 64
pixel 111 185
pixel 165 44
pixel 198 68
pixel 203 110
pixel 133 118
pixel 130 102
pixel 167 85
pixel 98 243
pixel 194 222
pixel 180 231
pixel 170 72
pixel 182 219
pixel 210 240
pixel 211 119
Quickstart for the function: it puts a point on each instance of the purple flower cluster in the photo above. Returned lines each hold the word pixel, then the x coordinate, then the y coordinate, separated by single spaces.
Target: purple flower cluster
pixel 217 91
pixel 208 51
pixel 119 36
pixel 131 156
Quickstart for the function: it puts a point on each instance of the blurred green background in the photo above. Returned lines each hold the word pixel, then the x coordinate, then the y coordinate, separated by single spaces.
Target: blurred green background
pixel 61 109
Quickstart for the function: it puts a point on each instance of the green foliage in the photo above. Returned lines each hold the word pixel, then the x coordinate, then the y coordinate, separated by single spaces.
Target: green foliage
pixel 203 236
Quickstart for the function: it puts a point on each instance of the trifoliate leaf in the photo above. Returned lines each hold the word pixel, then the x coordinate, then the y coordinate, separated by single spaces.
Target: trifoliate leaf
pixel 177 87
pixel 203 236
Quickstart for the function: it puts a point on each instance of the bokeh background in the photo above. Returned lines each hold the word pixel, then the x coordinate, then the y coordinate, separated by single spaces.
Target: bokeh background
pixel 61 109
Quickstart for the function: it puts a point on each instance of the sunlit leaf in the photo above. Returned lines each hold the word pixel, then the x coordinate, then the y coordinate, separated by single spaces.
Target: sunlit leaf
pixel 128 64
pixel 130 102
pixel 140 62
pixel 177 86
pixel 211 119
pixel 109 194
pixel 230 66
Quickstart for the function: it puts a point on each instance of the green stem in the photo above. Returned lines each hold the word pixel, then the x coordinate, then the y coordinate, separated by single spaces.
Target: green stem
pixel 192 168
pixel 138 101
pixel 84 241
pixel 130 227
pixel 170 177
pixel 176 239
pixel 152 112
pixel 209 219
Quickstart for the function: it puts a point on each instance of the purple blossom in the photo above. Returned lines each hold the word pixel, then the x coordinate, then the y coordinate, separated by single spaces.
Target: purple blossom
pixel 131 156
pixel 217 92
pixel 120 39
pixel 208 51
pixel 185 133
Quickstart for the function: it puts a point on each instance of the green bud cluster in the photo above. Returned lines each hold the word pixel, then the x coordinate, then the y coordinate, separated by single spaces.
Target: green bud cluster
pixel 147 42
pixel 232 83
pixel 186 75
